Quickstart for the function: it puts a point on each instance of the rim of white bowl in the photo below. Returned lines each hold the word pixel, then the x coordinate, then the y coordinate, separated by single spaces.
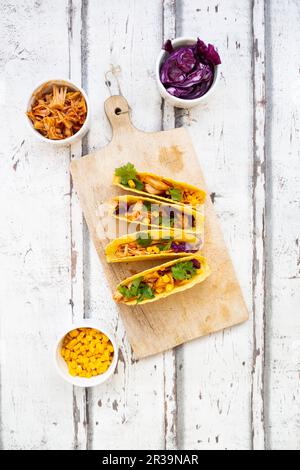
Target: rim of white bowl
pixel 62 368
pixel 180 41
pixel 69 140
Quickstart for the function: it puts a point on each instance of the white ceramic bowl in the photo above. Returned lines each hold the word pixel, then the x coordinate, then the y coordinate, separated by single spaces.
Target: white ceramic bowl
pixel 69 140
pixel 62 367
pixel 173 100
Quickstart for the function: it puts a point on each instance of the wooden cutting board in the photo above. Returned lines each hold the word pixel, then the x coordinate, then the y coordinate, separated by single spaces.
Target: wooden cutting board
pixel 215 304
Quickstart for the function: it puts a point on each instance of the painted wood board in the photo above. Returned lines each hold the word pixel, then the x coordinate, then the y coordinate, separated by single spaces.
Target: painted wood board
pixel 216 304
pixel 214 408
pixel 137 395
pixel 212 403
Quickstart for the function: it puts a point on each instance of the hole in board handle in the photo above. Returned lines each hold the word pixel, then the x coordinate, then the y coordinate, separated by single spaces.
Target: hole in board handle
pixel 118 111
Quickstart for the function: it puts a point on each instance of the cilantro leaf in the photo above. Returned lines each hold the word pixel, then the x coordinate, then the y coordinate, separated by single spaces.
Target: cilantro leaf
pixel 126 173
pixel 145 292
pixel 183 270
pixel 124 291
pixel 165 247
pixel 135 286
pixel 144 241
pixel 132 291
pixel 138 184
pixel 176 194
pixel 138 289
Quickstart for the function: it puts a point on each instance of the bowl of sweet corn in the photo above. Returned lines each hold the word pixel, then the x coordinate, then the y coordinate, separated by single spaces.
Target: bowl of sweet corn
pixel 86 355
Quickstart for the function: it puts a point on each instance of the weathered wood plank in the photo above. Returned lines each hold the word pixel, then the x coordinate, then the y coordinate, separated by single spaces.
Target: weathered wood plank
pixel 35 245
pixel 214 373
pixel 259 203
pixel 128 412
pixel 170 362
pixel 283 282
pixel 76 45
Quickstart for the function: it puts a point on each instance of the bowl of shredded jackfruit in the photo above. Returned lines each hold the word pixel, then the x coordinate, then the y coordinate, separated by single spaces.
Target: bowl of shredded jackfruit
pixel 58 112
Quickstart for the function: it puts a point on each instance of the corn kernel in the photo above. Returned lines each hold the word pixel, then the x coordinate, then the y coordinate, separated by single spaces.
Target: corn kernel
pixel 74 333
pixel 131 184
pixel 169 287
pixel 71 344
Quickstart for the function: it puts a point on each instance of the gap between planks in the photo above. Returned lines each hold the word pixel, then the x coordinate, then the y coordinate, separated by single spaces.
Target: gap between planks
pixel 259 225
pixel 77 41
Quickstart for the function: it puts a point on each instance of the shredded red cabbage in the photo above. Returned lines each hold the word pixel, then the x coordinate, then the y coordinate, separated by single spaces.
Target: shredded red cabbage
pixel 188 72
pixel 184 247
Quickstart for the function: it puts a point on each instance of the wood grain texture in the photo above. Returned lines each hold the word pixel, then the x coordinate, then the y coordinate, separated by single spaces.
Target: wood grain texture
pixel 36 405
pixel 134 399
pixel 170 357
pixel 76 30
pixel 259 233
pixel 208 307
pixel 214 374
pixel 283 321
pixel 211 393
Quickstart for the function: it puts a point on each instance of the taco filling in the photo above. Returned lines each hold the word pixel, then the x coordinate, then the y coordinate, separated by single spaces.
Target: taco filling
pixel 156 282
pixel 157 186
pixel 148 246
pixel 147 213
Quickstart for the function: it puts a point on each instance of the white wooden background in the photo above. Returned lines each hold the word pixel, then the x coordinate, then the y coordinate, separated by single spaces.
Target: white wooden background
pixel 238 389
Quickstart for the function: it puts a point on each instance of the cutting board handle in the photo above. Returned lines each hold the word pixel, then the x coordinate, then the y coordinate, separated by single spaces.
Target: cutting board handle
pixel 117 112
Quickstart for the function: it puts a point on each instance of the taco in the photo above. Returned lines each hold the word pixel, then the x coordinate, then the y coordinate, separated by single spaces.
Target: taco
pixel 158 187
pixel 153 244
pixel 162 281
pixel 151 213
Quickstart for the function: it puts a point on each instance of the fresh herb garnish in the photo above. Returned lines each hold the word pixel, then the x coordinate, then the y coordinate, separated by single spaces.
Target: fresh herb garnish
pixel 145 292
pixel 138 289
pixel 184 270
pixel 128 172
pixel 144 241
pixel 176 194
pixel 138 184
pixel 167 246
pixel 132 291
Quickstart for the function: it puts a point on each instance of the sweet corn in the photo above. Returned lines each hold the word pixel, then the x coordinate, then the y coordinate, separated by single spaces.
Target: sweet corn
pixel 152 249
pixel 74 333
pixel 169 287
pixel 131 184
pixel 87 352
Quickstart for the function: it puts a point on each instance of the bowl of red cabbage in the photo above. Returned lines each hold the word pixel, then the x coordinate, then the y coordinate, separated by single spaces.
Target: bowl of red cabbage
pixel 187 71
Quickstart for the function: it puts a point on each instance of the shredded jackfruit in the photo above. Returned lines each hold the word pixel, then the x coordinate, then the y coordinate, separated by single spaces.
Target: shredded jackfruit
pixel 58 114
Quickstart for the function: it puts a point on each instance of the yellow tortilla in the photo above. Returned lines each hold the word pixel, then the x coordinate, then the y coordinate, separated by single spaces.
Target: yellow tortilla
pixel 202 274
pixel 174 184
pixel 177 235
pixel 199 218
